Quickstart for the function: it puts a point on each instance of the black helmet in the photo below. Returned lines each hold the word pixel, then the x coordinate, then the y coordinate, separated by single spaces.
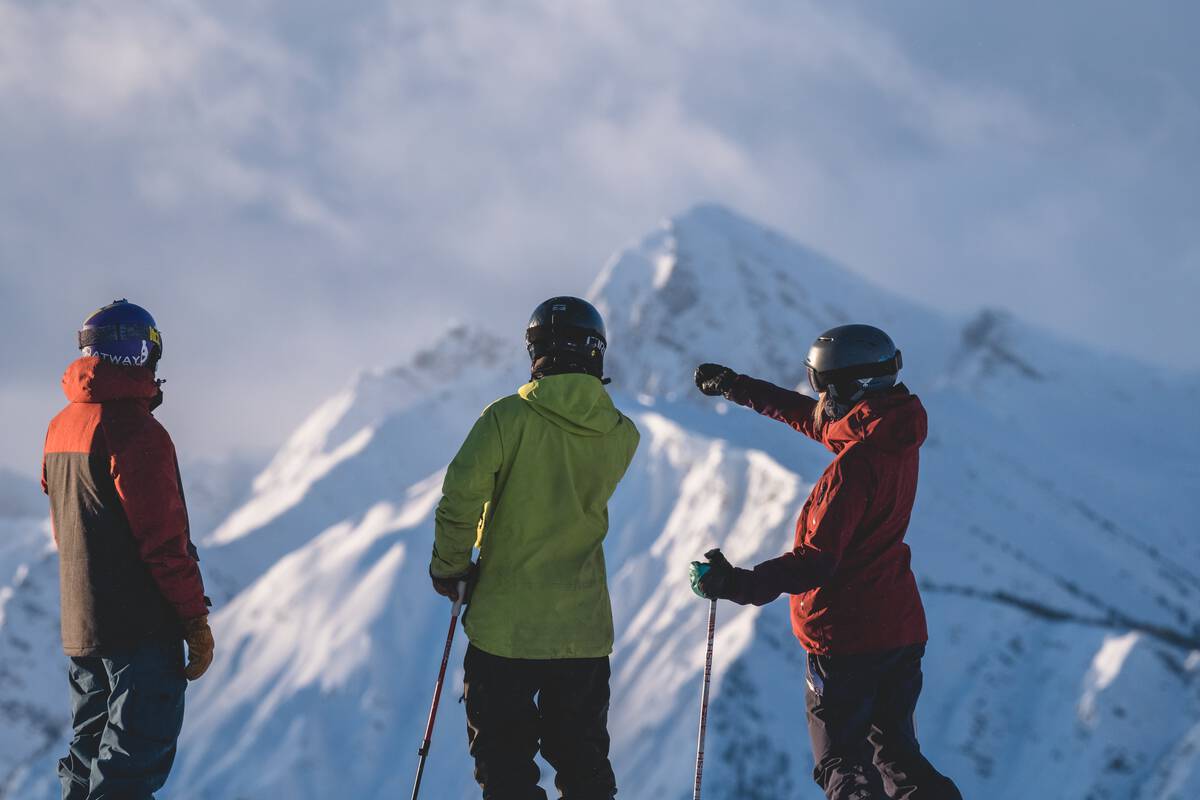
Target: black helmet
pixel 566 334
pixel 850 361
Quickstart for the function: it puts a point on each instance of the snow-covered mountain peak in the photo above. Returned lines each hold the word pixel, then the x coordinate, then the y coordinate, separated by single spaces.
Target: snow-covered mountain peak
pixel 710 285
pixel 457 351
pixel 342 427
pixel 989 348
pixel 1053 539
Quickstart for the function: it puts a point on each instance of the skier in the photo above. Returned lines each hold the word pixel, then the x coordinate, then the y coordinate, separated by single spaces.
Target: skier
pixel 531 485
pixel 854 602
pixel 130 583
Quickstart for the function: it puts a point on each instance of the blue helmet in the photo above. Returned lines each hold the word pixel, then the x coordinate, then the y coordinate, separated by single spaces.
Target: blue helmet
pixel 122 333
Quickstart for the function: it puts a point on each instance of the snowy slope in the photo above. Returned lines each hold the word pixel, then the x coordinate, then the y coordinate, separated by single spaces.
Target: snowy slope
pixel 33 690
pixel 1054 538
pixel 30 712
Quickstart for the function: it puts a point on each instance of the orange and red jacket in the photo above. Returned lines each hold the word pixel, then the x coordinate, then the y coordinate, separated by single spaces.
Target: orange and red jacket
pixel 849 576
pixel 128 570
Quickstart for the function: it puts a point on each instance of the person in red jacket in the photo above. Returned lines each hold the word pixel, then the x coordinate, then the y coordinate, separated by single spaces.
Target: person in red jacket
pixel 855 606
pixel 130 581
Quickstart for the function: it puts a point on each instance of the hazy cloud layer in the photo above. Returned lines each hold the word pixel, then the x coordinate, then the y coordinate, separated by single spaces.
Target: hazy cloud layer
pixel 298 189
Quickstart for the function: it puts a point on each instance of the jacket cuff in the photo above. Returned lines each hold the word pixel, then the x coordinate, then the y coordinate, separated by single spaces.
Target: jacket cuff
pixel 737 390
pixel 195 623
pixel 745 588
pixel 192 610
pixel 440 569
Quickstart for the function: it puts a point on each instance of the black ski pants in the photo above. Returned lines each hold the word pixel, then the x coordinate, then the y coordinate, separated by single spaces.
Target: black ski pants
pixel 517 706
pixel 860 720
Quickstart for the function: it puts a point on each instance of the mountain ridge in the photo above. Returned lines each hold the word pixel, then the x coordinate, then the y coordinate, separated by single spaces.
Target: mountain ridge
pixel 1045 679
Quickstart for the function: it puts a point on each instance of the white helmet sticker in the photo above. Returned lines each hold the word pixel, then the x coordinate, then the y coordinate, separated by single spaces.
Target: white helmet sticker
pixel 124 361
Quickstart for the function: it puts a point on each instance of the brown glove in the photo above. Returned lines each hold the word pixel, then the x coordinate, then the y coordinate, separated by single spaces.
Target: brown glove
pixel 199 640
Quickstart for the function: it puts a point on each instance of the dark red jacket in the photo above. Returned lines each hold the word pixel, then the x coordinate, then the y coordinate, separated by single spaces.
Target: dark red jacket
pixel 127 568
pixel 849 574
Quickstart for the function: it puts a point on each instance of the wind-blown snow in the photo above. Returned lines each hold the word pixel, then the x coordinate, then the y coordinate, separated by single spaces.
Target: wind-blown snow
pixel 1106 668
pixel 1054 540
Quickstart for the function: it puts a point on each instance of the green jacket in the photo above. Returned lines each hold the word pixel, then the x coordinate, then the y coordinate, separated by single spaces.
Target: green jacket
pixel 530 487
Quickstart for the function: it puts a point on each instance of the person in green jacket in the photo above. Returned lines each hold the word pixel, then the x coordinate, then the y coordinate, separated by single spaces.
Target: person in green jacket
pixel 530 487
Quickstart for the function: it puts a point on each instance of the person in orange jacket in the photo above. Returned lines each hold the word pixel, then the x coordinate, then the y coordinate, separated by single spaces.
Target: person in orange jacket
pixel 130 580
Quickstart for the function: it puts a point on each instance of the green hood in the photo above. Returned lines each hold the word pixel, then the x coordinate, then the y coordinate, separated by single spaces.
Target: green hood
pixel 576 403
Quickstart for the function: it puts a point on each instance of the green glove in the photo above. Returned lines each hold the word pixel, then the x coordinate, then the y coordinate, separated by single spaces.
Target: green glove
pixel 712 580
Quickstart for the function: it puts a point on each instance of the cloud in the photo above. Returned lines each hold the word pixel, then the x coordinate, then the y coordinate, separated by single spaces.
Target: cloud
pixel 299 189
pixel 176 92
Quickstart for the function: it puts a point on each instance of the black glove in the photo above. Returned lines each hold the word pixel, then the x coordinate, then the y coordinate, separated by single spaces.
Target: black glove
pixel 714 580
pixel 448 586
pixel 714 379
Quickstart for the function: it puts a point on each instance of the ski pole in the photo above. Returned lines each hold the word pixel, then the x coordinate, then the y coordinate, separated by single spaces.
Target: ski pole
pixel 437 689
pixel 708 658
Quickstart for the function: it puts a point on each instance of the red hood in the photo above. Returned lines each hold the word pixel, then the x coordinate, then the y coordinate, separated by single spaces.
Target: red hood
pixel 895 422
pixel 91 380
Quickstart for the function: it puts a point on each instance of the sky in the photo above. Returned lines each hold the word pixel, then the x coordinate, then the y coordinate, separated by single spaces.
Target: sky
pixel 299 189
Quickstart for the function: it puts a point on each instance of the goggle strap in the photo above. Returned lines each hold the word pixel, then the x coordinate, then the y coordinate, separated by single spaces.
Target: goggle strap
pixel 125 331
pixel 545 333
pixel 820 380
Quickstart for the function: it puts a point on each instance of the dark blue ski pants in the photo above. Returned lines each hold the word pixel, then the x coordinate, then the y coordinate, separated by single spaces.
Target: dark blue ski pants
pixel 127 711
pixel 860 721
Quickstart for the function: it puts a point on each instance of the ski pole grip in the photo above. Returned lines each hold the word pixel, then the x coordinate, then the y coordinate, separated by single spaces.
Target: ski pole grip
pixel 462 594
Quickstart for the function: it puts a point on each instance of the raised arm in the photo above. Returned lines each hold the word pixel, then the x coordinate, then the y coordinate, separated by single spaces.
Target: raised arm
pixel 772 401
pixel 785 405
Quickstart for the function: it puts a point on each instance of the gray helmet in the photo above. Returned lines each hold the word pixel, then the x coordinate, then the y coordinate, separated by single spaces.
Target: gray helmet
pixel 850 361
